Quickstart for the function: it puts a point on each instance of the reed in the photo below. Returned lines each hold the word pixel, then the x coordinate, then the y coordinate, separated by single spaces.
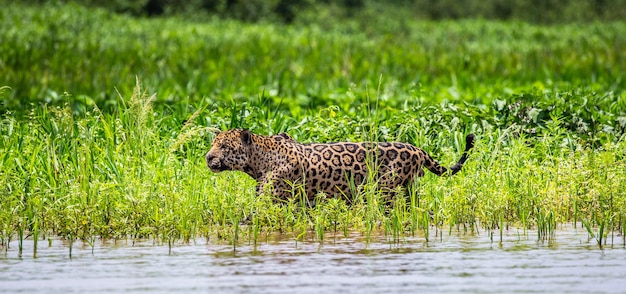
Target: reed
pixel 105 156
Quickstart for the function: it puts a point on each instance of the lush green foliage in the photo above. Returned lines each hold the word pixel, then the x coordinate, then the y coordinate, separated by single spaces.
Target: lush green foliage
pixel 51 50
pixel 85 153
pixel 306 11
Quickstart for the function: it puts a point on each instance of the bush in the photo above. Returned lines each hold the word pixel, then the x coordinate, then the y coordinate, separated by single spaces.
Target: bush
pixel 537 11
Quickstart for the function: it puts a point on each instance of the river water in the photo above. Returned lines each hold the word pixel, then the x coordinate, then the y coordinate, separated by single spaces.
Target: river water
pixel 452 263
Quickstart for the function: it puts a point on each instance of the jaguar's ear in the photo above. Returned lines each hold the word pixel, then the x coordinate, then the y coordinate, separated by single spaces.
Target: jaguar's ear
pixel 246 137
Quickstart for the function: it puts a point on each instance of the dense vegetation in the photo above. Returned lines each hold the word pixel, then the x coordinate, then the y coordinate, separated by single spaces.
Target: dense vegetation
pixel 87 151
pixel 307 11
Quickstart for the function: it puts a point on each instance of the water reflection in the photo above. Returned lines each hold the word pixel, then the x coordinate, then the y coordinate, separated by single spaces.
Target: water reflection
pixel 449 263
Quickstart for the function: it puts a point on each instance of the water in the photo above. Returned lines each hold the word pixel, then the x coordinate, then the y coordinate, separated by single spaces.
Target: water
pixel 459 262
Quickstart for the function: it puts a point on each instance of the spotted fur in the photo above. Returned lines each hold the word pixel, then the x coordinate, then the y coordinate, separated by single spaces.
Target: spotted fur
pixel 329 168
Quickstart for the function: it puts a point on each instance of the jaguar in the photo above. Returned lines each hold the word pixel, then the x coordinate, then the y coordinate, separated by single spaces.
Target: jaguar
pixel 336 169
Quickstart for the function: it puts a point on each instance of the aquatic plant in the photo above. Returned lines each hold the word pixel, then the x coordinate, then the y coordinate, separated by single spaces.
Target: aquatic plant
pixel 113 158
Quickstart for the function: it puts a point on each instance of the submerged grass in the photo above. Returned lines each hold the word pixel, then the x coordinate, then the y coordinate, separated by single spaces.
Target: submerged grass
pixel 129 174
pixel 116 176
pixel 112 161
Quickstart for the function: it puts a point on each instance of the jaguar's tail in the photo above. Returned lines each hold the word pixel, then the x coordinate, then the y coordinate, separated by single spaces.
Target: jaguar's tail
pixel 433 166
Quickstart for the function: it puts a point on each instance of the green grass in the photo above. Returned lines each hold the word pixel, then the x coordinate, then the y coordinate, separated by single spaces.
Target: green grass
pixel 50 50
pixel 87 153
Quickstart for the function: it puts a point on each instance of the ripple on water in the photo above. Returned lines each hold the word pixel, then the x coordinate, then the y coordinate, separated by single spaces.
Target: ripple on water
pixel 450 263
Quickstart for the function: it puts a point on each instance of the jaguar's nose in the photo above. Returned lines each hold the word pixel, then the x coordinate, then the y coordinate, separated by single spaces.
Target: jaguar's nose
pixel 209 159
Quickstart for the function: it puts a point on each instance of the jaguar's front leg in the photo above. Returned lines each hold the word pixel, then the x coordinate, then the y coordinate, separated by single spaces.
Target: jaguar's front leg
pixel 265 184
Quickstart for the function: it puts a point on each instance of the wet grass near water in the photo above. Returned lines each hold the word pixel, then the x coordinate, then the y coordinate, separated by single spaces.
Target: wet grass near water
pixel 87 152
